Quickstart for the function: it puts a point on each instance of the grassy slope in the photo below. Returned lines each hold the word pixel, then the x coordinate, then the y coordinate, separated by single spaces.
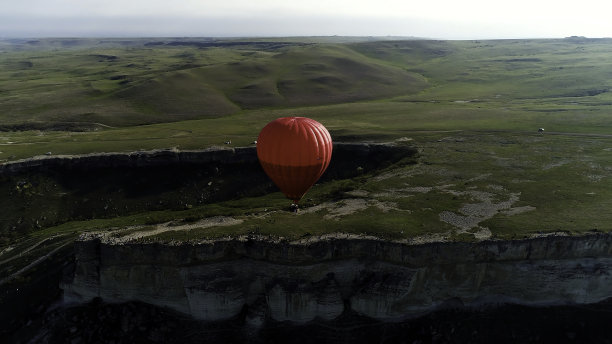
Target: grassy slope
pixel 118 86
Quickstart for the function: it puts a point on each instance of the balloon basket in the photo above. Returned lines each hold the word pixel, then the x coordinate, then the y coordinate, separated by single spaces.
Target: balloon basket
pixel 294 208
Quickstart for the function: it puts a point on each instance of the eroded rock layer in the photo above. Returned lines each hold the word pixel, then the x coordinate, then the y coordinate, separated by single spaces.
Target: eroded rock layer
pixel 322 278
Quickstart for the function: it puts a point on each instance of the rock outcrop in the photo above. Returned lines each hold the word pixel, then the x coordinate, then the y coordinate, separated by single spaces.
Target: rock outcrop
pixel 322 278
pixel 48 190
pixel 363 153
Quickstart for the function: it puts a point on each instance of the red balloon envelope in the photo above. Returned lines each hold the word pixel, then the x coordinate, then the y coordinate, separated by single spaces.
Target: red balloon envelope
pixel 294 152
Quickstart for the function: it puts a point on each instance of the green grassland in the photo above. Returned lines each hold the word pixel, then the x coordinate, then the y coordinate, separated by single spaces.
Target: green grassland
pixel 110 86
pixel 473 108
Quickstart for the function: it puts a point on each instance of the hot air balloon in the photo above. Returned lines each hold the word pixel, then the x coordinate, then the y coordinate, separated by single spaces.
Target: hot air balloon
pixel 294 152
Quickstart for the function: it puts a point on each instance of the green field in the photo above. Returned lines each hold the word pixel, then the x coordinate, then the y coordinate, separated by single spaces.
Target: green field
pixel 472 108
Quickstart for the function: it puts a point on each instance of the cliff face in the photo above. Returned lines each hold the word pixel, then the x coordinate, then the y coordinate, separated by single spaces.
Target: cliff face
pixel 44 191
pixel 301 281
pixel 366 154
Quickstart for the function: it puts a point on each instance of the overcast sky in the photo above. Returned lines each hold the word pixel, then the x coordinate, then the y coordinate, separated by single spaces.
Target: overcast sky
pixel 446 19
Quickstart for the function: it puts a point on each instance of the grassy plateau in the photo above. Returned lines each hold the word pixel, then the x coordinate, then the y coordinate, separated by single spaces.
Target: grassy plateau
pixel 471 108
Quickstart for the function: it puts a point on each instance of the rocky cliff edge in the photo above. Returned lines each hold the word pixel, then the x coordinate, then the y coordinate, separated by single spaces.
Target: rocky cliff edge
pixel 320 278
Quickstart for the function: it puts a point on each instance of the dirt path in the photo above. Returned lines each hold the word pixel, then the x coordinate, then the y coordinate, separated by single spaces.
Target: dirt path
pixel 26 250
pixel 34 263
pixel 166 227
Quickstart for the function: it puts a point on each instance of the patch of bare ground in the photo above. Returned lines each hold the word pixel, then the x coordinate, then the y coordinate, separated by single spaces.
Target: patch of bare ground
pixel 555 164
pixel 483 205
pixel 215 221
pixel 518 210
pixel 520 181
pixel 471 214
pixel 402 173
pixel 479 177
pixel 410 190
pixel 358 193
pixel 544 235
pixel 330 236
pixel 595 177
pixel 428 238
pixel 336 210
pixel 6 250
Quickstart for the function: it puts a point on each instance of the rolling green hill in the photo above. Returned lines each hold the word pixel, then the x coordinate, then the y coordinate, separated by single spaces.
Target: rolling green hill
pixel 506 69
pixel 193 93
pixel 310 75
pixel 167 82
